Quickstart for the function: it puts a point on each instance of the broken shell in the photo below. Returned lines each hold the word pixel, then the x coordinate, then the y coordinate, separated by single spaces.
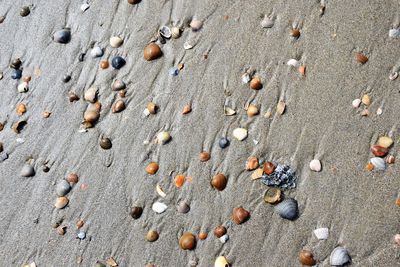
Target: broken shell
pixel 295 33
pixel 221 262
pixel 252 110
pixel 315 165
pixel 321 233
pixel 116 41
pixel 46 114
pixel 246 77
pixel 255 83
pixel 188 45
pixel 160 191
pixel 280 108
pixel 152 236
pixel 175 32
pixel 302 70
pixel 79 224
pixel 273 195
pixel 21 109
pixel 361 58
pixel 370 166
pixel 105 143
pixel 179 180
pixel 136 212
pixel 393 75
pixel 61 230
pixel 62 36
pixel 269 167
pixel 379 151
pixel 287 209
pixel 293 62
pixel 152 168
pixel 152 108
pixel 390 159
pixel 306 258
pixel 385 141
pixel 204 156
pixel 366 100
pixel 356 103
pixel 159 207
pixel 18 126
pixel 251 163
pixel 257 174
pixel 163 137
pixel 240 133
pixel 118 85
pixel 187 241
pixel 91 116
pixel 267 22
pixel 61 202
pixel 240 215
pixel 339 257
pixel 91 94
pixel 152 51
pixel 196 24
pixel 27 171
pixel 365 112
pixel 394 33
pixel 62 188
pixel 219 182
pixel 118 106
pixel 165 32
pixel 378 163
pixel 183 207
pixel 219 231
pixel 23 87
pixel 72 178
pixel 186 109
pixel 96 52
pixel 1 147
pixel 229 111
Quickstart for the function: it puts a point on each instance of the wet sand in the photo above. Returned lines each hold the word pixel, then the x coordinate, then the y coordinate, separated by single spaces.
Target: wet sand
pixel 356 205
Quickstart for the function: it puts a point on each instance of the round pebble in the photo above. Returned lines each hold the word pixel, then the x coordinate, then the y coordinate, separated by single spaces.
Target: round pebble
pixel 118 62
pixel 62 36
pixel 315 165
pixel 116 41
pixel 96 52
pixel 223 142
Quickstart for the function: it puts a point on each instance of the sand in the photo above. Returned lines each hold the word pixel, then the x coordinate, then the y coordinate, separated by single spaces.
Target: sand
pixel 356 205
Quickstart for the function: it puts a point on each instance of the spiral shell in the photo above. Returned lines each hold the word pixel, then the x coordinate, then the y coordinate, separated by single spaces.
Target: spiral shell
pixel 339 257
pixel 287 209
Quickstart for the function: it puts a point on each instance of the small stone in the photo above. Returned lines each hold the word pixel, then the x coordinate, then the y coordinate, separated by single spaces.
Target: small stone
pixel 66 78
pixel 385 141
pixel 223 142
pixel 240 133
pixel 27 171
pixel 174 71
pixel 186 109
pixel 394 33
pixel 224 239
pixel 61 202
pixel 62 36
pixel 81 235
pixel 79 224
pixel 246 77
pixel 96 52
pixel 315 165
pixel 163 137
pixel 118 62
pixel 356 103
pixel 16 74
pixel 62 188
pixel 256 83
pixel 116 41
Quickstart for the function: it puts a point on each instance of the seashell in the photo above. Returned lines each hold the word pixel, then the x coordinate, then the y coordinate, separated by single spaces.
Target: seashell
pixel 91 94
pixel 66 78
pixel 188 45
pixel 293 62
pixel 394 33
pixel 287 209
pixel 257 174
pixel 118 85
pixel 72 97
pixel 72 178
pixel 219 231
pixel 246 77
pixel 255 83
pixel 133 2
pixel 269 167
pixel 302 70
pixel 27 79
pixel 152 51
pixel 61 202
pixel 251 163
pixel 295 33
pixel 202 235
pixel 366 100
pixel 390 159
pixel 365 112
pixel 160 191
pixel 252 110
pixel 27 171
pixel 16 63
pixel 186 109
pixel 356 103
pixel 315 165
pixel 81 235
pixel 152 108
pixel 91 116
pixel 165 32
pixel 393 75
pixel 204 156
pixel 196 25
pixel 152 236
pixel 163 137
pixel 219 182
pixel 187 241
pixel 62 188
pixel 105 143
pixel 321 233
pixel 159 207
pixel 361 58
pixel 306 258
pixel 84 7
pixel 61 230
pixel 229 111
pixel 240 133
pixel 104 64
pixel 339 257
pixel 273 195
pixel 175 32
pixel 267 22
pixel 183 207
pixel 370 166
pixel 281 107
pixel 23 87
pixel 18 126
pixel 118 106
pixel 385 141
pixel 21 109
pixel 79 224
pixel 62 36
pixel 179 180
pixel 96 52
pixel 118 62
pixel 221 262
pixel 223 142
pixel 136 212
pixel 240 215
pixel 379 163
pixel 379 151
pixel 379 111
pixel 116 41
pixel 16 74
pixel 25 11
pixel 152 168
pixel 224 239
pixel 396 239
pixel 2 19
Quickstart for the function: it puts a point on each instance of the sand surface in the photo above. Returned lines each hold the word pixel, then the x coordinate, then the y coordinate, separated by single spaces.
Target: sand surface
pixel 356 205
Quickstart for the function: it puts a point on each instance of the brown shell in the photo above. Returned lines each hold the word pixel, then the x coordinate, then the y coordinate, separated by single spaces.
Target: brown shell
pixel 370 167
pixel 46 114
pixel 152 51
pixel 255 83
pixel 204 156
pixel 152 168
pixel 179 180
pixel 21 109
pixel 202 235
pixel 302 70
pixel 91 116
pixel 361 58
pixel 219 231
pixel 240 215
pixel 118 106
pixel 133 2
pixel 105 143
pixel 269 167
pixel 61 202
pixel 72 178
pixel 152 236
pixel 186 109
pixel 72 97
pixel 136 212
pixel 251 163
pixel 252 110
pixel 379 151
pixel 27 78
pixel 219 182
pixel 273 195
pixel 295 33
pixel 306 258
pixel 104 64
pixel 152 108
pixel 187 241
pixel 79 224
pixel 398 202
pixel 61 230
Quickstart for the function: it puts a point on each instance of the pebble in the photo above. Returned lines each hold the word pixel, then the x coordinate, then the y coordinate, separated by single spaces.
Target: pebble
pixel 118 62
pixel 251 163
pixel 379 151
pixel 315 165
pixel 159 207
pixel 16 74
pixel 385 141
pixel 81 235
pixel 66 78
pixel 252 110
pixel 96 52
pixel 27 171
pixel 116 41
pixel 246 78
pixel 240 215
pixel 256 83
pixel 163 137
pixel 62 36
pixel 118 106
pixel 306 258
pixel 72 178
pixel 240 133
pixel 188 45
pixel 186 109
pixel 134 2
pixel 104 64
pixel 223 142
pixel 221 261
pixel 219 182
pixel 356 103
pixel 2 19
pixel 379 163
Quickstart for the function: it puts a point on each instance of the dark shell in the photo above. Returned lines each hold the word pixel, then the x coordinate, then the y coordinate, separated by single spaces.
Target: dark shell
pixel 133 2
pixel 183 207
pixel 118 62
pixel 240 215
pixel 27 171
pixel 187 241
pixel 62 36
pixel 223 142
pixel 2 19
pixel 19 126
pixel 25 11
pixel 287 209
pixel 136 212
pixel 16 63
pixel 82 57
pixel 66 78
pixel 105 143
pixel 219 231
pixel 45 168
pixel 16 74
pixel 1 147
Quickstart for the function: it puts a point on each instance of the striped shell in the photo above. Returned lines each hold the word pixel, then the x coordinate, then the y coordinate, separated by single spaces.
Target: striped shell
pixel 287 209
pixel 339 257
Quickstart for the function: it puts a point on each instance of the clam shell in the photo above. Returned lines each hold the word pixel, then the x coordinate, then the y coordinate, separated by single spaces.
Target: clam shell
pixel 96 52
pixel 267 22
pixel 240 133
pixel 187 241
pixel 61 202
pixel 81 235
pixel 339 257
pixel 315 165
pixel 62 188
pixel 118 85
pixel 163 137
pixel 393 75
pixel 165 32
pixel 361 58
pixel 118 106
pixel 281 107
pixel 356 103
pixel 152 51
pixel 306 258
pixel 27 171
pixel 273 195
pixel 240 215
pixel 196 24
pixel 287 209
pixel 23 87
pixel 188 45
pixel 379 163
pixel 105 143
pixel 321 233
pixel 136 212
pixel 183 207
pixel 116 41
pixel 91 116
pixel 175 32
pixel 84 7
pixel 118 62
pixel 219 182
pixel 91 94
pixel 152 236
pixel 229 111
pixel 293 62
pixel 221 262
pixel 159 207
pixel 394 33
pixel 62 36
pixel 223 142
pixel 219 231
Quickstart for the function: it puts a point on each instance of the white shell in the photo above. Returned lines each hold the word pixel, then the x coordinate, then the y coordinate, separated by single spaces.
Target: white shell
pixel 160 191
pixel 163 137
pixel 385 141
pixel 240 133
pixel 356 103
pixel 229 111
pixel 246 78
pixel 221 262
pixel 81 235
pixel 84 7
pixel 315 165
pixel 175 32
pixel 379 111
pixel 91 94
pixel 23 87
pixel 165 32
pixel 267 22
pixel 379 163
pixel 196 25
pixel 159 207
pixel 293 62
pixel 32 264
pixel 146 112
pixel 321 233
pixel 116 41
pixel 339 257
pixel 96 52
pixel 188 45
pixel 394 33
pixel 287 209
pixel 224 238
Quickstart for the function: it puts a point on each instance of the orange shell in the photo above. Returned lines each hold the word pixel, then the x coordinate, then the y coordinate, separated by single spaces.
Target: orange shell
pixel 179 180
